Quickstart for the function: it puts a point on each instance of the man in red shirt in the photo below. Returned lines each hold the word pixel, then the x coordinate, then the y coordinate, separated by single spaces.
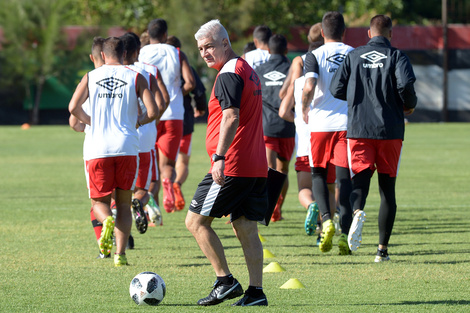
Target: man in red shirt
pixel 236 183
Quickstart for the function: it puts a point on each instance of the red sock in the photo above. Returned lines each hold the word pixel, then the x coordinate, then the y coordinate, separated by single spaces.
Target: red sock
pixel 97 226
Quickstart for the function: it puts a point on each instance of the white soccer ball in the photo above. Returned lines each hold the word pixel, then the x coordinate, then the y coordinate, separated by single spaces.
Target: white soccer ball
pixel 147 288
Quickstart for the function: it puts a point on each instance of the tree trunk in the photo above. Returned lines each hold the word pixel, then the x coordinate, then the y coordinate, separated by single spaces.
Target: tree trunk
pixel 37 101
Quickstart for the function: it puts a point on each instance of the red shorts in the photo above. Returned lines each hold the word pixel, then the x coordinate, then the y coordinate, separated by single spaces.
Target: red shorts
pixel 383 155
pixel 145 170
pixel 169 134
pixel 153 155
pixel 106 174
pixel 302 164
pixel 328 147
pixel 284 147
pixel 185 144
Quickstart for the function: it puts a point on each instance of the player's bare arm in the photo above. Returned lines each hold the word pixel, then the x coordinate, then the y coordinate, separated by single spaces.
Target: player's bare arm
pixel 76 124
pixel 79 97
pixel 158 96
pixel 164 91
pixel 287 105
pixel 187 74
pixel 148 99
pixel 295 71
pixel 307 96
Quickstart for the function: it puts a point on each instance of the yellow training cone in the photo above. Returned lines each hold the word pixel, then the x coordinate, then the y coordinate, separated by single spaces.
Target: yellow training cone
pixel 267 254
pixel 293 283
pixel 273 267
pixel 261 238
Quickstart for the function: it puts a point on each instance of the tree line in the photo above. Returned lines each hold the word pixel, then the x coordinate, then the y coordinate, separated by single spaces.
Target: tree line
pixel 34 47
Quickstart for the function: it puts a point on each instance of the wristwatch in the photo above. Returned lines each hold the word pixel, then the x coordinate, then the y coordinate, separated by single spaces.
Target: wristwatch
pixel 216 157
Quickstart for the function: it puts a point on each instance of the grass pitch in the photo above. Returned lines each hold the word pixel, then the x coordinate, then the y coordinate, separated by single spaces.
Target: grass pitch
pixel 48 249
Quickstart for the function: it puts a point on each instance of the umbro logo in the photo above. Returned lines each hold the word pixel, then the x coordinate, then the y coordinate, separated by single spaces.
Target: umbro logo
pixel 254 78
pixel 274 75
pixel 336 58
pixel 373 57
pixel 275 78
pixel 111 83
pixel 194 203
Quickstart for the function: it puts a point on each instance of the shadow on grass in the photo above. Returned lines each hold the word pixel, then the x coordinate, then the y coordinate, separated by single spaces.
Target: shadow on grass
pixel 446 302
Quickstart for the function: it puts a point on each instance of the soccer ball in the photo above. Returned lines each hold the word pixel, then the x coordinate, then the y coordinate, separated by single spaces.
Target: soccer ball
pixel 147 288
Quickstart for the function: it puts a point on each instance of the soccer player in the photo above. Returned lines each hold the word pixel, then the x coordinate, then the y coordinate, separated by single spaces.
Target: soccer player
pixel 153 208
pixel 297 67
pixel 147 137
pixel 236 183
pixel 112 141
pixel 291 110
pixel 261 36
pixel 327 121
pixel 79 126
pixel 198 94
pixel 377 80
pixel 170 129
pixel 279 134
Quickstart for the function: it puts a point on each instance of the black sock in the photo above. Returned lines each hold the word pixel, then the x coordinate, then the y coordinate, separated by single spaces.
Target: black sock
pixel 320 191
pixel 254 292
pixel 382 253
pixel 226 280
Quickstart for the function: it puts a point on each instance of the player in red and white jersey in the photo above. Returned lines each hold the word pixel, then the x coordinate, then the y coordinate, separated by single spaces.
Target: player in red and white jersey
pixel 112 151
pixel 170 129
pixel 236 183
pixel 327 122
pixel 147 137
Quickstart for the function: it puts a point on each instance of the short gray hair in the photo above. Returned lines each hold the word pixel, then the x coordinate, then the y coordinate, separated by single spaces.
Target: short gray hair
pixel 212 29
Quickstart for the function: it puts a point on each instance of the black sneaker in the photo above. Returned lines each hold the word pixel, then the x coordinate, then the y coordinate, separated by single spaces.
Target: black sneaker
pixel 250 301
pixel 138 212
pixel 221 292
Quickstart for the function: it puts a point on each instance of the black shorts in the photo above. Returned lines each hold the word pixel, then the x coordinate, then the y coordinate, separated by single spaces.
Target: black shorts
pixel 240 196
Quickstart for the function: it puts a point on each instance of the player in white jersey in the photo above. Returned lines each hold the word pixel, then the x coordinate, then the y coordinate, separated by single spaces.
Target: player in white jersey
pixel 112 141
pixel 147 137
pixel 260 55
pixel 170 129
pixel 327 122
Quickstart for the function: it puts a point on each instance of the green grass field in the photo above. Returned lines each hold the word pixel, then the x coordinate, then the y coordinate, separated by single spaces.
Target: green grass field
pixel 48 249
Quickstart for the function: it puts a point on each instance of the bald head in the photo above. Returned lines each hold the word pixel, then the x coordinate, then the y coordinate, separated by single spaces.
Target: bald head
pixel 381 25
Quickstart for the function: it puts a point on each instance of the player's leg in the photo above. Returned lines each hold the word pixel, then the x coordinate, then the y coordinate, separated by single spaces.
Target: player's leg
pixel 168 145
pixel 271 156
pixel 182 171
pixel 344 183
pixel 304 183
pixel 244 223
pixel 126 170
pixel 123 225
pixel 141 196
pixel 247 233
pixel 388 160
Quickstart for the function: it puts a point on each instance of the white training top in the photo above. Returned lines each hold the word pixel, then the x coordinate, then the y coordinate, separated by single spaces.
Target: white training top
pixel 148 132
pixel 328 113
pixel 257 57
pixel 166 58
pixel 302 133
pixel 113 110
